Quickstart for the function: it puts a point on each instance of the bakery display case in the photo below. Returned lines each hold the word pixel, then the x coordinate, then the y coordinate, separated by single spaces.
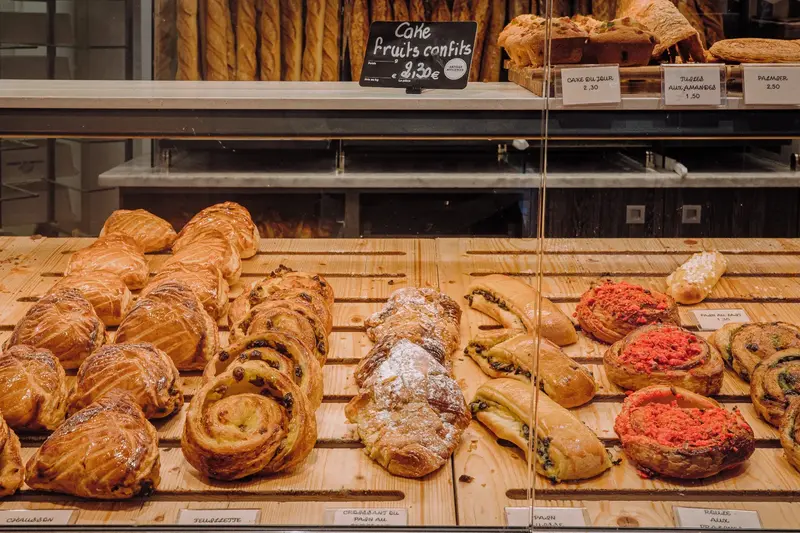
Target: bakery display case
pixel 560 298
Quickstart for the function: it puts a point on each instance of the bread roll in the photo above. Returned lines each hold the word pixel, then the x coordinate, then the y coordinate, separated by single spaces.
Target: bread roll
pixel 380 10
pixel 270 30
pixel 694 280
pixel 291 40
pixel 188 48
pixel 492 55
pixel 359 35
pixel 331 49
pixel 400 10
pixel 315 30
pixel 217 23
pixel 246 41
pixel 481 14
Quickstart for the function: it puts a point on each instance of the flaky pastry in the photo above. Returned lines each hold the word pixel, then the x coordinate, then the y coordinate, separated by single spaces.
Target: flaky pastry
pixel 775 383
pixel 152 233
pixel 12 469
pixel 116 253
pixel 106 291
pixel 33 388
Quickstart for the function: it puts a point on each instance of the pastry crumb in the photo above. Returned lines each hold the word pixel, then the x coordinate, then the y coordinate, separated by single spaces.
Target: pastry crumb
pixel 464 478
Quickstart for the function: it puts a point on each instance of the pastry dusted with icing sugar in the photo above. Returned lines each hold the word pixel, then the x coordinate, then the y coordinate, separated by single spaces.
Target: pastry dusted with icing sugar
pixel 694 280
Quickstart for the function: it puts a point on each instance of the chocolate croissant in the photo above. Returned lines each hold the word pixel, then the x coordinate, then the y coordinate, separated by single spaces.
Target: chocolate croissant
pixel 205 280
pixel 116 253
pixel 152 233
pixel 250 419
pixel 33 388
pixel 106 291
pixel 12 470
pixel 141 369
pixel 172 318
pixel 106 451
pixel 230 219
pixel 63 322
pixel 775 383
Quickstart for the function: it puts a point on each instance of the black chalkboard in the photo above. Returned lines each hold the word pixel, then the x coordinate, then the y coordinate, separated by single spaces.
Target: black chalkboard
pixel 419 55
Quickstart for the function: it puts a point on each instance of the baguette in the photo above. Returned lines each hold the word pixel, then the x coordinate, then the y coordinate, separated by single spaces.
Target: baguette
pixel 291 40
pixel 315 32
pixel 441 11
pixel 217 40
pixel 462 11
pixel 492 55
pixel 246 40
pixel 400 10
pixel 566 448
pixel 188 49
pixel 604 9
pixel 165 21
pixel 359 35
pixel 481 16
pixel 270 25
pixel 418 11
pixel 381 11
pixel 231 40
pixel 517 8
pixel 694 280
pixel 331 37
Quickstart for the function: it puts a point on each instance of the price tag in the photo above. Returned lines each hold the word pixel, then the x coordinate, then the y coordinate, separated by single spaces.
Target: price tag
pixel 690 517
pixel 590 85
pixel 771 84
pixel 217 517
pixel 713 319
pixel 544 517
pixel 54 517
pixel 366 517
pixel 423 55
pixel 701 85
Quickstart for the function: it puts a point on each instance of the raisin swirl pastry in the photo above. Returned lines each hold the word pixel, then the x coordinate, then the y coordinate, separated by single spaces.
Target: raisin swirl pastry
pixel 743 346
pixel 281 351
pixel 117 253
pixel 230 219
pixel 12 469
pixel 106 291
pixel 775 383
pixel 610 311
pixel 250 419
pixel 106 451
pixel 141 369
pixel 663 354
pixel 790 433
pixel 63 322
pixel 33 388
pixel 677 433
pixel 152 233
pixel 311 299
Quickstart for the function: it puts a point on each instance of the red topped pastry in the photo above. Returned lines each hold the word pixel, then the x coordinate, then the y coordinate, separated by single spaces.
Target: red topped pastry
pixel 677 433
pixel 611 310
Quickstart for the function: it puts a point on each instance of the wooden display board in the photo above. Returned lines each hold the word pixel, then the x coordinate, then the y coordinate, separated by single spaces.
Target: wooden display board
pixel 483 477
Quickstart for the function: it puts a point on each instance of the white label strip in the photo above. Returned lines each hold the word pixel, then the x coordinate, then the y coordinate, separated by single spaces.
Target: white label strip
pixel 55 517
pixel 771 84
pixel 692 86
pixel 713 319
pixel 590 85
pixel 544 517
pixel 369 517
pixel 217 517
pixel 690 517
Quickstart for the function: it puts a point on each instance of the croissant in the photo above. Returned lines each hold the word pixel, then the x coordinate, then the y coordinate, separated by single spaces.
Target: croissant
pixel 205 280
pixel 677 433
pixel 790 433
pixel 665 355
pixel 775 383
pixel 743 346
pixel 281 351
pixel 611 310
pixel 106 451
pixel 295 317
pixel 150 232
pixel 33 388
pixel 63 322
pixel 141 369
pixel 106 291
pixel 12 470
pixel 172 318
pixel 230 219
pixel 209 248
pixel 250 419
pixel 114 253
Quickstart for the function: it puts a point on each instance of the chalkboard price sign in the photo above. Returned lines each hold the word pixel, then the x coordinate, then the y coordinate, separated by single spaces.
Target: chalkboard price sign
pixel 419 55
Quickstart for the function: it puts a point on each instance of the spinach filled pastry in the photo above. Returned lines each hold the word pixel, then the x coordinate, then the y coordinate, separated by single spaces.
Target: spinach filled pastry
pixel 743 346
pixel 565 448
pixel 790 433
pixel 775 383
pixel 509 353
pixel 513 303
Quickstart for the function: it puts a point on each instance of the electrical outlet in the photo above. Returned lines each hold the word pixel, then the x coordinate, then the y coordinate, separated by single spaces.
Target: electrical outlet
pixel 634 214
pixel 691 214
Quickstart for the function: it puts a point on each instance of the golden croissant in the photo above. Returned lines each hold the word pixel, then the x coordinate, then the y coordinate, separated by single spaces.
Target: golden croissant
pixel 12 470
pixel 106 291
pixel 141 369
pixel 251 419
pixel 205 280
pixel 106 451
pixel 63 322
pixel 230 219
pixel 33 388
pixel 150 232
pixel 210 247
pixel 115 253
pixel 172 318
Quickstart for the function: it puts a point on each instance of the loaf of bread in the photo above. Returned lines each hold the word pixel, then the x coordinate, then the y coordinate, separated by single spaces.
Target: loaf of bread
pixel 359 35
pixel 216 39
pixel 188 48
pixel 400 10
pixel 621 41
pixel 270 33
pixel 315 32
pixel 481 14
pixel 331 37
pixel 380 10
pixel 291 40
pixel 492 55
pixel 757 51
pixel 246 40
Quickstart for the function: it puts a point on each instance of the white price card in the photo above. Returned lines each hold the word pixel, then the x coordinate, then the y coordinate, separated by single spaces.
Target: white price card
pixel 544 517
pixel 54 517
pixel 713 319
pixel 771 84
pixel 696 85
pixel 367 517
pixel 218 517
pixel 690 517
pixel 590 85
